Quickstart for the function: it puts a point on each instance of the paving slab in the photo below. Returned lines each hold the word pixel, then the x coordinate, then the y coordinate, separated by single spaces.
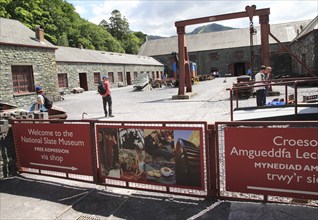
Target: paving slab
pixel 39 197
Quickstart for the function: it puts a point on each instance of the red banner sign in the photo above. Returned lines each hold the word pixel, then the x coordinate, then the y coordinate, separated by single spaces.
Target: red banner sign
pixel 56 147
pixel 272 161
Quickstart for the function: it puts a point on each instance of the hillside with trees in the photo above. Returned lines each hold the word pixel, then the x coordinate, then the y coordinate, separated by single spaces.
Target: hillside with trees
pixel 64 27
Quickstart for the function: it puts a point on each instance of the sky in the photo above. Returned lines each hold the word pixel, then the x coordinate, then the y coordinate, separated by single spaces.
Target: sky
pixel 154 17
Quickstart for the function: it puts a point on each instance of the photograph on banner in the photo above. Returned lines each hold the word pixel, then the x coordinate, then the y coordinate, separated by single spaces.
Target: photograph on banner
pixel 131 138
pixel 188 158
pixel 162 156
pixel 108 151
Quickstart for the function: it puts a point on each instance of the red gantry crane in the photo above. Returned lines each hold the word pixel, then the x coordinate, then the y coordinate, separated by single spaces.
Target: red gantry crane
pixel 250 11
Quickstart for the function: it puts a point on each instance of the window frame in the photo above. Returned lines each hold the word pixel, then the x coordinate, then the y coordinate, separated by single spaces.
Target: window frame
pixel 111 77
pixel 22 79
pixel 62 80
pixel 97 77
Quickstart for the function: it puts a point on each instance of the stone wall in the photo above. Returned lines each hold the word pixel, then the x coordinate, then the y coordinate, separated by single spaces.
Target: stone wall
pixel 43 64
pixel 306 49
pixel 73 69
pixel 228 58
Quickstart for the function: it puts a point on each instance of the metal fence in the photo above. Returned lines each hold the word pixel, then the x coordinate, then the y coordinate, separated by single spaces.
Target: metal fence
pixel 262 161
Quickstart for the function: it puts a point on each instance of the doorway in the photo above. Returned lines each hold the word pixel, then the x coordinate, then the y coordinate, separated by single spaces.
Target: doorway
pixel 239 69
pixel 128 77
pixel 83 81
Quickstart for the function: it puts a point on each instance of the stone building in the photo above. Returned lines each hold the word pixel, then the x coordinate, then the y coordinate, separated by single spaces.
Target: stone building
pixel 305 47
pixel 77 67
pixel 229 52
pixel 28 60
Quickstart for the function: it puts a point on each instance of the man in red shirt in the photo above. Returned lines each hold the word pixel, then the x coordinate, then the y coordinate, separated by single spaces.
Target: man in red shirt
pixel 107 98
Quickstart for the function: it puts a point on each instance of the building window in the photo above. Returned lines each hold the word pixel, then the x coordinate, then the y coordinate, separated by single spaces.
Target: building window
pixel 96 77
pixel 214 56
pixel 22 78
pixel 62 79
pixel 239 54
pixel 111 77
pixel 120 77
pixel 153 74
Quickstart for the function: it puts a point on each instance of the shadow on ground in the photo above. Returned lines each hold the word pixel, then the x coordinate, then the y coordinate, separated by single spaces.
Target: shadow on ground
pixel 91 201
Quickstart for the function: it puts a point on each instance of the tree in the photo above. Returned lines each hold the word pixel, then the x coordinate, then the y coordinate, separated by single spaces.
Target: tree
pixel 141 36
pixel 131 44
pixel 63 41
pixel 64 27
pixel 3 6
pixel 118 27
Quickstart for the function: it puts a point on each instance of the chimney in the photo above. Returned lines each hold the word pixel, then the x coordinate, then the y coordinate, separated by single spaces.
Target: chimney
pixel 39 33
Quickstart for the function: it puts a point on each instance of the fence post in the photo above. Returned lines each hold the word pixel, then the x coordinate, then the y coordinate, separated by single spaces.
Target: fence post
pixel 212 163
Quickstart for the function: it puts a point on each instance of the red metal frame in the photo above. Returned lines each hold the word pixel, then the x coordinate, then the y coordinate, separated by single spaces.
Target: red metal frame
pixel 50 170
pixel 212 150
pixel 265 198
pixel 275 82
pixel 184 77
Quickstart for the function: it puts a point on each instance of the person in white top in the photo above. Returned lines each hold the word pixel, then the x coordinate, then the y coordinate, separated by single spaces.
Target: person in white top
pixel 260 90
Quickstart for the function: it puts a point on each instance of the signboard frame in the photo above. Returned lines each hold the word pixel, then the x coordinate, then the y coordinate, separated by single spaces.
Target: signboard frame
pixel 153 178
pixel 55 148
pixel 266 158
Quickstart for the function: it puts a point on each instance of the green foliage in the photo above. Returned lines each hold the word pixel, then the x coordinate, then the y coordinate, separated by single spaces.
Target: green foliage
pixel 131 44
pixel 118 26
pixel 63 41
pixel 3 6
pixel 141 36
pixel 64 27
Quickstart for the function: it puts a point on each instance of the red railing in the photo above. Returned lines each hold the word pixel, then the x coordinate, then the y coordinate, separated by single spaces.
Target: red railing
pixel 276 82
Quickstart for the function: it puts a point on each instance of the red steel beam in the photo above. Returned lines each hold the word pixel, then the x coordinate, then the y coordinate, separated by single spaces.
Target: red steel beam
pixel 182 48
pixel 243 14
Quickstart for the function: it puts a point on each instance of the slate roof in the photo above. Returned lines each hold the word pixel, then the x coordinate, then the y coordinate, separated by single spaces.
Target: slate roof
pixel 285 32
pixel 313 25
pixel 71 54
pixel 13 32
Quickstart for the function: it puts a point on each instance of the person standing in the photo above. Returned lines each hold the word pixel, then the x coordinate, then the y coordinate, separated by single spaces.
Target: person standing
pixel 249 71
pixel 38 104
pixel 260 90
pixel 107 99
pixel 267 76
pixel 268 73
